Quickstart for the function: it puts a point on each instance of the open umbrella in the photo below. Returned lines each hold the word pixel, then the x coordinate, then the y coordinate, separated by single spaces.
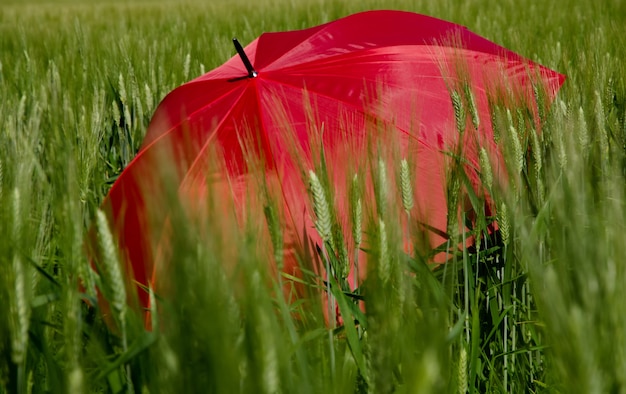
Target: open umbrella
pixel 389 70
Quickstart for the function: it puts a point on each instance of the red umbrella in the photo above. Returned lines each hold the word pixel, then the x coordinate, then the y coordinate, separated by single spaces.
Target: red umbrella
pixel 390 68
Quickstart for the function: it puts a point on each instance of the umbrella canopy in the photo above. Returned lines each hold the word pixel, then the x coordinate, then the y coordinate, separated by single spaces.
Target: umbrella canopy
pixel 379 70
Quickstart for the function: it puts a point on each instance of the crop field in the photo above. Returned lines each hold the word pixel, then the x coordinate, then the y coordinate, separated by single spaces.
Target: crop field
pixel 536 305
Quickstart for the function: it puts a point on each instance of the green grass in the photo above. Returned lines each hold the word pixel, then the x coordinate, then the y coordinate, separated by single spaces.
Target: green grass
pixel 537 308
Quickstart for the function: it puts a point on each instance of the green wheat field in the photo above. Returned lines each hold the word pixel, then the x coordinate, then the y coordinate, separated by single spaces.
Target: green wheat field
pixel 538 306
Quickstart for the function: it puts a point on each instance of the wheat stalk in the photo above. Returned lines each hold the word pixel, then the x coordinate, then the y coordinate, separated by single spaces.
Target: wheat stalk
pixel 321 208
pixel 72 332
pixel 471 103
pixel 76 380
pixel 406 186
pixel 462 372
pixel 20 307
pixel 382 187
pixel 494 111
pixel 518 152
pixel 407 198
pixel 324 229
pixel 271 377
pixel 559 137
pixel 503 223
pixel 539 99
pixel 276 234
pixel 485 168
pixel 154 317
pixel 583 131
pixel 149 98
pixel 342 255
pixel 137 103
pixel 1 178
pixel 538 164
pixel 603 137
pixel 21 313
pixel 356 207
pixel 537 154
pixel 89 278
pixel 117 116
pixel 186 66
pixel 21 109
pixel 453 191
pixel 270 363
pixel 600 122
pixel 121 85
pixel 357 211
pixel 122 89
pixel 459 111
pixel 384 264
pixel 114 280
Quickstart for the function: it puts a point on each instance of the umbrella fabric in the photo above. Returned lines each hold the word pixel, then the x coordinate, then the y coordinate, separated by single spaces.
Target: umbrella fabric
pixel 387 73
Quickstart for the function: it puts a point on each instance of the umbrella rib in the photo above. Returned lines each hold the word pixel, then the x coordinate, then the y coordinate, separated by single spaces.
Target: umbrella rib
pixel 176 126
pixel 354 56
pixel 283 192
pixel 330 63
pixel 296 87
pixel 361 111
pixel 333 62
pixel 303 72
pixel 395 85
pixel 358 109
pixel 315 33
pixel 494 49
pixel 209 140
pixel 321 29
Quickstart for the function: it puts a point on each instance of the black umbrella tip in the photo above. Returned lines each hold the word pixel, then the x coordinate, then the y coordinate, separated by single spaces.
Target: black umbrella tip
pixel 244 58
